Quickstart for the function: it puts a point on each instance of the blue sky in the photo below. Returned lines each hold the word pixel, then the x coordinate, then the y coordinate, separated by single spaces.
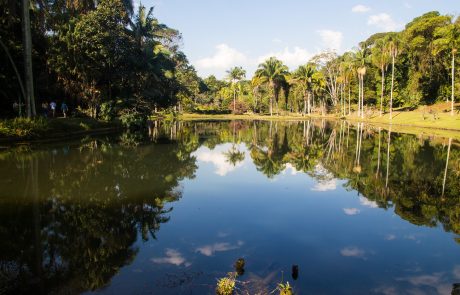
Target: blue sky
pixel 219 34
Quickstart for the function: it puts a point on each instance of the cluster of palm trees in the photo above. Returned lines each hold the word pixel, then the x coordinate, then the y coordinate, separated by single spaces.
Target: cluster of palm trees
pixel 329 80
pixel 325 76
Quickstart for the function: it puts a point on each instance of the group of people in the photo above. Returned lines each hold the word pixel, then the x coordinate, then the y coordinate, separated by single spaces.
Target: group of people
pixel 51 107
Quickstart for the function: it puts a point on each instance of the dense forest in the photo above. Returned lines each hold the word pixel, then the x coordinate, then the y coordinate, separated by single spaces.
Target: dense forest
pixel 104 59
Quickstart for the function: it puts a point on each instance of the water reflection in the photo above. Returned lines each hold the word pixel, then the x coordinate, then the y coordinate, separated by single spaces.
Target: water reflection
pixel 72 216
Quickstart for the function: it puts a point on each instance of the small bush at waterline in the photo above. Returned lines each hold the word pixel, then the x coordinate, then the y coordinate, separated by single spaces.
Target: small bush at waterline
pixel 226 285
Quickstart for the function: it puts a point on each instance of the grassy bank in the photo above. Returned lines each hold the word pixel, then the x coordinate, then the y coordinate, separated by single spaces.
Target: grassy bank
pixel 22 129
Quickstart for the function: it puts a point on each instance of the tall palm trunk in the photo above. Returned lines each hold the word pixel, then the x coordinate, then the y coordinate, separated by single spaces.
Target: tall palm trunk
pixel 392 84
pixel 453 82
pixel 381 96
pixel 28 74
pixel 362 96
pixel 447 164
pixel 234 100
pixel 359 95
pixel 349 99
pixel 388 157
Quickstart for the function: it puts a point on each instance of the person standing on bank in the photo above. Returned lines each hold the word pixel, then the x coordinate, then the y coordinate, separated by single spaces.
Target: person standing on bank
pixel 53 108
pixel 64 109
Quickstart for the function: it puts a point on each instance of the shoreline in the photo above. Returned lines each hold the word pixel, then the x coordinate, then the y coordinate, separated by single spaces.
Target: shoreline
pixel 426 129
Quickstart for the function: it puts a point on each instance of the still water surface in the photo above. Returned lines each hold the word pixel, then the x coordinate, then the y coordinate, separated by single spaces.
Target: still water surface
pixel 359 210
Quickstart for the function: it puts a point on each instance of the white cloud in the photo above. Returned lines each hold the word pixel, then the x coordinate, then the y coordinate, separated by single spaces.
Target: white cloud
pixel 218 159
pixel 407 5
pixel 277 40
pixel 365 202
pixel 352 252
pixel 291 57
pixel 351 211
pixel 209 250
pixel 383 21
pixel 224 58
pixel 360 8
pixel 331 39
pixel 172 257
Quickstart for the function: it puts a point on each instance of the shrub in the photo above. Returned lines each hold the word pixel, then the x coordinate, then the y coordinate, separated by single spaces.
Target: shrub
pixel 240 108
pixel 132 118
pixel 107 111
pixel 226 285
pixel 23 127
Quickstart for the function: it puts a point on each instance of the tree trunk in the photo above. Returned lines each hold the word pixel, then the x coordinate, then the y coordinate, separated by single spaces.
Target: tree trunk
pixel 378 157
pixel 27 44
pixel 18 76
pixel 453 83
pixel 359 94
pixel 388 156
pixel 445 170
pixel 392 85
pixel 349 99
pixel 383 85
pixel 234 100
pixel 362 97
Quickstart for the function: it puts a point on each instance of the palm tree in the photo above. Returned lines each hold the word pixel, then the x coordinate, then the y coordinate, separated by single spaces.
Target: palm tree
pixel 256 82
pixel 27 36
pixel 448 40
pixel 381 59
pixel 272 72
pixel 303 78
pixel 235 75
pixel 361 60
pixel 393 46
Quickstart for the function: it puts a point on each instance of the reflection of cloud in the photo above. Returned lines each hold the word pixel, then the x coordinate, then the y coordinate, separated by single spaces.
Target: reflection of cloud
pixel 209 250
pixel 351 211
pixel 325 185
pixel 291 168
pixel 390 237
pixel 222 234
pixel 326 181
pixel 434 280
pixel 456 272
pixel 172 257
pixel 217 157
pixel 386 290
pixel 352 252
pixel 365 202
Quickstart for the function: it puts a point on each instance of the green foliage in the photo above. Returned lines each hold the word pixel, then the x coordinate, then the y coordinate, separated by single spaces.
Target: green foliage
pixel 23 127
pixel 131 118
pixel 226 285
pixel 107 111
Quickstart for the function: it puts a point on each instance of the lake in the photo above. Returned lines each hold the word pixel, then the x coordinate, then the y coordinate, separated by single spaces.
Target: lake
pixel 355 208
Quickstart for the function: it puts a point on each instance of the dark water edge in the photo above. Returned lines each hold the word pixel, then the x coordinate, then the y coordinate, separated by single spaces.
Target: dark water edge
pixel 358 209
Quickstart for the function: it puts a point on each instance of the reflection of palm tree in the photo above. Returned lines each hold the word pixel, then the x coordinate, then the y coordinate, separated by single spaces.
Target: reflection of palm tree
pixel 234 156
pixel 265 162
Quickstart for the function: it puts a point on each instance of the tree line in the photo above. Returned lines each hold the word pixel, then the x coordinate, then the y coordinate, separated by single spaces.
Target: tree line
pixel 106 59
pixel 413 67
